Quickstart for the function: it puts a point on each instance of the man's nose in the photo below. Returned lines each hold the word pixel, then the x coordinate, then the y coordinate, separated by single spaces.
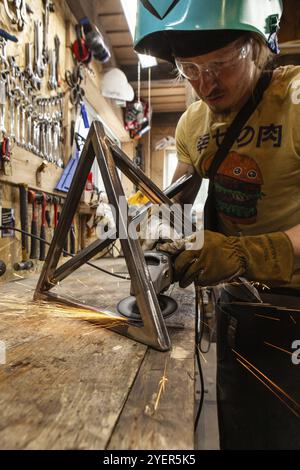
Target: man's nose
pixel 206 83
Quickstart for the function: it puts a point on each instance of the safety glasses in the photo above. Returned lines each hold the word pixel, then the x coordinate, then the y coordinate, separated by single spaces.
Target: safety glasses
pixel 194 71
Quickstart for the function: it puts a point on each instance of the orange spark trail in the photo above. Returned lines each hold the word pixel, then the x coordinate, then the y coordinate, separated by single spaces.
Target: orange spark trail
pixel 293 406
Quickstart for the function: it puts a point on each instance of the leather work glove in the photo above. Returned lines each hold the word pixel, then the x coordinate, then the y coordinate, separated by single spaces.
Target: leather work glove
pixel 263 258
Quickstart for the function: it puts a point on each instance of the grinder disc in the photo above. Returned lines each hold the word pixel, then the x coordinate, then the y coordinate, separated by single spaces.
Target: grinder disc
pixel 128 307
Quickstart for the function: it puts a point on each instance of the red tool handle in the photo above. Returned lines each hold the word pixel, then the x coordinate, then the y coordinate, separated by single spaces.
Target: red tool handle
pixel 33 246
pixel 55 214
pixel 43 229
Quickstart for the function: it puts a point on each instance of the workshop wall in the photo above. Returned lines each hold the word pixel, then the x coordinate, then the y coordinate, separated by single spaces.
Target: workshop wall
pixel 23 166
pixel 163 125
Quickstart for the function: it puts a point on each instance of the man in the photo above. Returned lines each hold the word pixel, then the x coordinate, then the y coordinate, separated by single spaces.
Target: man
pixel 222 49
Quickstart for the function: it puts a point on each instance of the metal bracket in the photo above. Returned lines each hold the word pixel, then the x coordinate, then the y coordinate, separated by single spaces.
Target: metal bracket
pixel 110 157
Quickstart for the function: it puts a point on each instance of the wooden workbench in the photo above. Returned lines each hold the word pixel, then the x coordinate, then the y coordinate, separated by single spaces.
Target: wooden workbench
pixel 70 384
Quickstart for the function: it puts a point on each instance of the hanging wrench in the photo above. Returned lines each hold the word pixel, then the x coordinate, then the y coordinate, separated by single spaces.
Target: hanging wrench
pixel 11 96
pixel 9 12
pixel 12 115
pixel 57 63
pixel 36 81
pixel 38 63
pixel 49 156
pixel 28 143
pixel 28 60
pixel 3 81
pixel 17 123
pixel 45 32
pixel 20 7
pixel 52 83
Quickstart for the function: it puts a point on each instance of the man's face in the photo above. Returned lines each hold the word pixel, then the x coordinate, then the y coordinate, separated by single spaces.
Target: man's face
pixel 223 79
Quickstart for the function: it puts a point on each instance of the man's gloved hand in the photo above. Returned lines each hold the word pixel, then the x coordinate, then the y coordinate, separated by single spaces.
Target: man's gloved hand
pixel 264 258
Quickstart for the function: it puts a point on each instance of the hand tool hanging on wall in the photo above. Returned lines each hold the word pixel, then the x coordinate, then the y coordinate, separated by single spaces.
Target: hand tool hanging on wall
pixel 4 71
pixel 17 12
pixel 1 200
pixel 95 42
pixel 79 47
pixel 5 156
pixel 49 7
pixel 33 245
pixel 65 180
pixel 48 212
pixel 34 79
pixel 2 102
pixel 38 57
pixel 66 242
pixel 41 199
pixel 74 80
pixel 57 60
pixel 55 201
pixel 23 188
pixel 50 230
pixel 7 36
pixel 52 82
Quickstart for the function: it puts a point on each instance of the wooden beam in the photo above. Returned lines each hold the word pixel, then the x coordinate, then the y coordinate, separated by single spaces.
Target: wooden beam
pixel 114 22
pixel 124 37
pixel 109 6
pixel 124 53
pixel 164 92
pixel 157 100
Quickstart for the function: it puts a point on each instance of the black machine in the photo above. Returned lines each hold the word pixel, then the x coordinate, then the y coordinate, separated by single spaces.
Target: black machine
pixel 160 268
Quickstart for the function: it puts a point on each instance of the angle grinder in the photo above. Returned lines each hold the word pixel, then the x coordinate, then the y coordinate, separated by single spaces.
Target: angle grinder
pixel 161 271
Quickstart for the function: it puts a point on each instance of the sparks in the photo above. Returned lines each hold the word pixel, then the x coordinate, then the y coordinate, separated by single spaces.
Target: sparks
pixel 18 275
pixel 268 318
pixel 293 406
pixel 277 347
pixel 7 246
pixel 24 285
pixel 162 384
pixel 80 282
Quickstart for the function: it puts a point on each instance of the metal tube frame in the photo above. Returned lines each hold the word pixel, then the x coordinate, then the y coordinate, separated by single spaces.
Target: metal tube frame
pixel 153 331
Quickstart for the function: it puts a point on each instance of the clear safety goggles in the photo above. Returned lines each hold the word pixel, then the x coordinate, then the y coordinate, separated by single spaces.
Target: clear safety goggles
pixel 194 71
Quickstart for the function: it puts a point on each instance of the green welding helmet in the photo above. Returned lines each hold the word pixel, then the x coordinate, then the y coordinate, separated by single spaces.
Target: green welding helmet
pixel 185 28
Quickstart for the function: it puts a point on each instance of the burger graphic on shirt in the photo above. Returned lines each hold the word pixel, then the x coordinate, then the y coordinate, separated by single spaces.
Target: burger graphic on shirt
pixel 237 187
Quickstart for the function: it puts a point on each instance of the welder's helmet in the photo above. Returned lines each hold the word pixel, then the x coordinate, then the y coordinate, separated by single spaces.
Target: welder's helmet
pixel 186 28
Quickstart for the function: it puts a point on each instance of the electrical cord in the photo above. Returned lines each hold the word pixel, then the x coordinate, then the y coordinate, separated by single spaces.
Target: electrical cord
pixel 210 332
pixel 69 254
pixel 198 336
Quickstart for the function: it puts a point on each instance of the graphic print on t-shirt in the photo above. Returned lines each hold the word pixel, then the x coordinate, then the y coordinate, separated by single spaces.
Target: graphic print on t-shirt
pixel 237 186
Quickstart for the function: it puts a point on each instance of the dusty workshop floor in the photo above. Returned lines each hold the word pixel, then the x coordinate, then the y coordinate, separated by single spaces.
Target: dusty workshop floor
pixel 106 291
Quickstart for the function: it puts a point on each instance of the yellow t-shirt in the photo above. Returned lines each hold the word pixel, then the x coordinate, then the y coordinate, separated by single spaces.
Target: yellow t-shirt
pixel 257 186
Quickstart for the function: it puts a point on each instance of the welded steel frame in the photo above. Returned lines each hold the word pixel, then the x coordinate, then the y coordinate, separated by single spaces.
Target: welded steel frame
pixel 153 331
